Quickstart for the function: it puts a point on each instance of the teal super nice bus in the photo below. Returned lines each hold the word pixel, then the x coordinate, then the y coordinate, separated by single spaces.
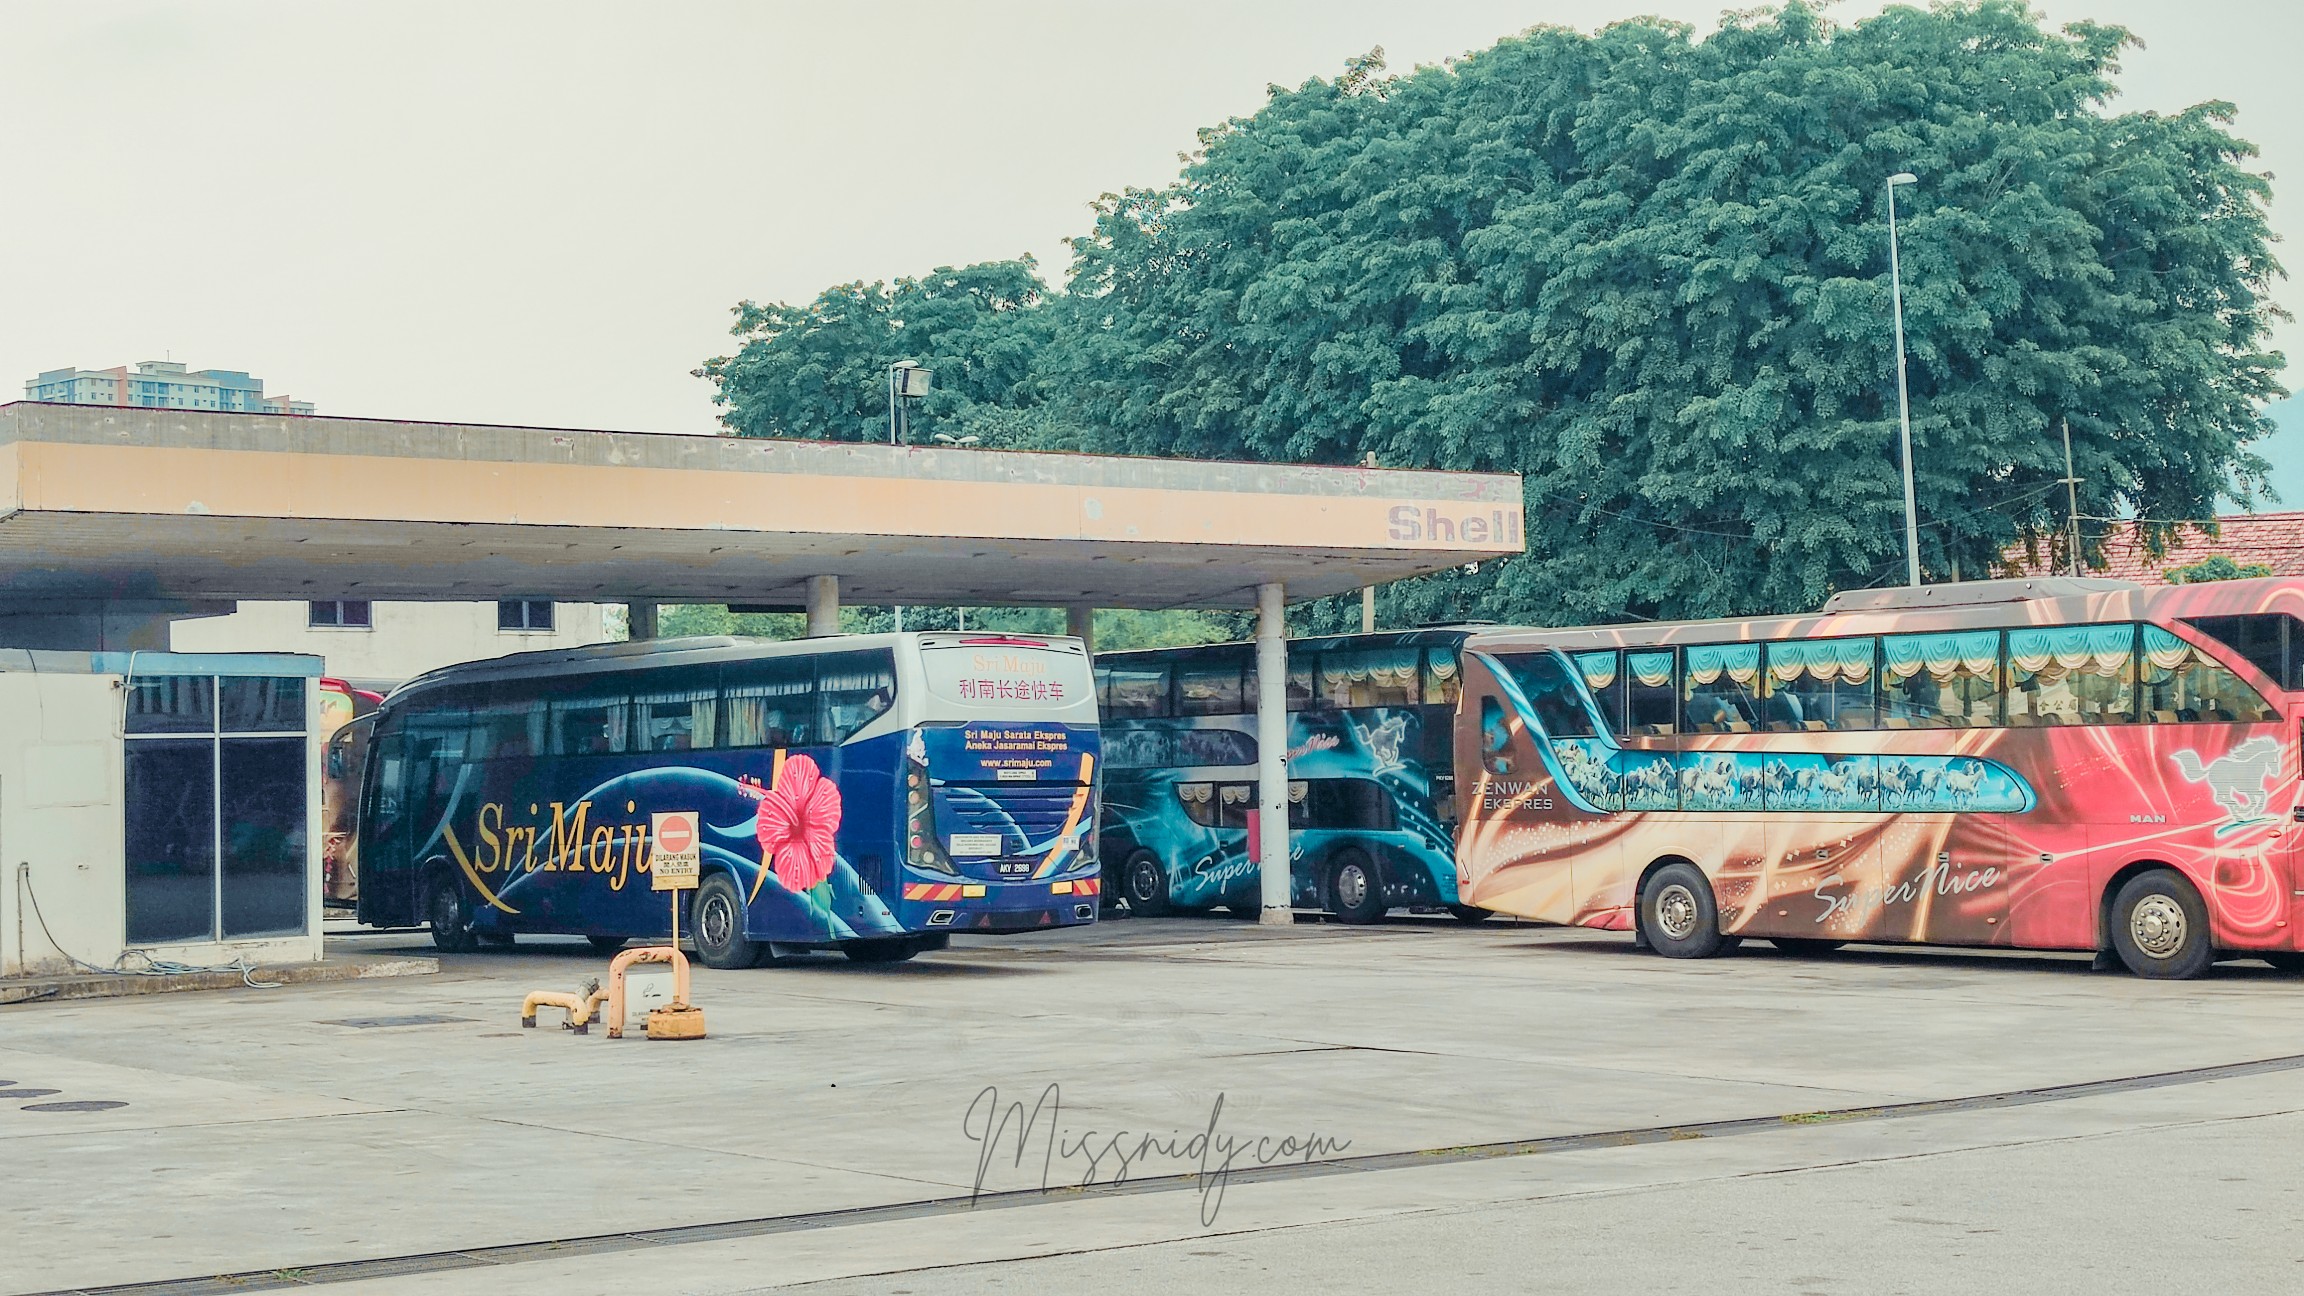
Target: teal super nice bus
pixel 1371 776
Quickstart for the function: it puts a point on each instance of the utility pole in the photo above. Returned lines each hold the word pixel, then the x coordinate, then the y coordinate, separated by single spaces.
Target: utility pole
pixel 2071 497
pixel 1903 401
pixel 1368 592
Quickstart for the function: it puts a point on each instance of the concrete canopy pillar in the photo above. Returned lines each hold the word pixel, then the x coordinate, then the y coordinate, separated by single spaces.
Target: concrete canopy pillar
pixel 1272 754
pixel 1080 623
pixel 640 621
pixel 823 606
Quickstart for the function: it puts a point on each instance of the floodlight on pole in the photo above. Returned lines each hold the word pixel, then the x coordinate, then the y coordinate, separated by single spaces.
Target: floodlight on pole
pixel 1903 399
pixel 906 381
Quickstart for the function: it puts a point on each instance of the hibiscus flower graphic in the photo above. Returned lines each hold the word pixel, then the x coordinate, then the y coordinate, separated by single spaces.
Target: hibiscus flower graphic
pixel 798 818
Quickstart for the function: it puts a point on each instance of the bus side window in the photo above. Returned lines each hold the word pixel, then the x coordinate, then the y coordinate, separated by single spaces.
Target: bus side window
pixel 769 703
pixel 1443 680
pixel 855 689
pixel 677 711
pixel 1604 679
pixel 1136 691
pixel 1209 686
pixel 1495 737
pixel 1651 699
pixel 2183 683
pixel 1199 802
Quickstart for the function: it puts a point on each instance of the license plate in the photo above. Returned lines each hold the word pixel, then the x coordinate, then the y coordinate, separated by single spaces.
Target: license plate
pixel 1014 775
pixel 975 843
pixel 1015 868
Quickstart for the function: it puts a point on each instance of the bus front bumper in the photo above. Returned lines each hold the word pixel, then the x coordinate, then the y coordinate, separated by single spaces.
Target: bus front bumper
pixel 1000 906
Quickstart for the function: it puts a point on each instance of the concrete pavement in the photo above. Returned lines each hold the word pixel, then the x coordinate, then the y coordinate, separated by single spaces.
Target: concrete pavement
pixel 259 1138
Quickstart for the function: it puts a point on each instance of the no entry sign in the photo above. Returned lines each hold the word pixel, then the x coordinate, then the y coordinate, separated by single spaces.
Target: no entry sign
pixel 675 850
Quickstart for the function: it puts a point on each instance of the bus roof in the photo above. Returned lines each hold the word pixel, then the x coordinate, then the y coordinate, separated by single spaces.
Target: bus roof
pixel 1935 608
pixel 1419 637
pixel 695 650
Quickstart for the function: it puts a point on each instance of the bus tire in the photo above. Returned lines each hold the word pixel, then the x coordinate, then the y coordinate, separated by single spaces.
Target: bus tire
pixel 1678 917
pixel 716 924
pixel 1144 882
pixel 1355 892
pixel 608 944
pixel 1804 946
pixel 2160 928
pixel 1471 913
pixel 449 911
pixel 2283 960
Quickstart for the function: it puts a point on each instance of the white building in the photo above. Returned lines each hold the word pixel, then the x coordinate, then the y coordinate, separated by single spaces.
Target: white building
pixel 158 808
pixel 377 645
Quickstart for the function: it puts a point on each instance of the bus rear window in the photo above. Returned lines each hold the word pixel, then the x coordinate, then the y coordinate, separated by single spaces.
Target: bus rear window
pixel 1000 676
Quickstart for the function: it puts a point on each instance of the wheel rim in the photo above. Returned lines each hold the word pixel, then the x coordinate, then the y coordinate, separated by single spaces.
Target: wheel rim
pixel 1676 911
pixel 716 922
pixel 2159 926
pixel 1144 881
pixel 1351 886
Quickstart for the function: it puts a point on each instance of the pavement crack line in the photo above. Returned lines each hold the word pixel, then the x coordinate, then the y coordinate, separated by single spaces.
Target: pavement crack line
pixel 485 1257
pixel 1545 1198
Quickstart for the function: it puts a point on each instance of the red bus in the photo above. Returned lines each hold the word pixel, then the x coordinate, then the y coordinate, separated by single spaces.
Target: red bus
pixel 2056 764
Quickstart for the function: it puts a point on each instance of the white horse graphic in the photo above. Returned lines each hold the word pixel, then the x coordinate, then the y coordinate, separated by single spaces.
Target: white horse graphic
pixel 1383 741
pixel 2238 779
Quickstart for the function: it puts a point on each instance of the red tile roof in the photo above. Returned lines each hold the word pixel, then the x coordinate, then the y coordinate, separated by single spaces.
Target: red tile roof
pixel 2273 539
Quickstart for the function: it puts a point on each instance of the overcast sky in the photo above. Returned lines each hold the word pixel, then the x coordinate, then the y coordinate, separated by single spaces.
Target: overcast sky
pixel 540 214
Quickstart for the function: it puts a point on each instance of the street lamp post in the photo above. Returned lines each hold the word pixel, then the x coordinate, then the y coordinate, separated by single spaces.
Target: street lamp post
pixel 1903 400
pixel 906 381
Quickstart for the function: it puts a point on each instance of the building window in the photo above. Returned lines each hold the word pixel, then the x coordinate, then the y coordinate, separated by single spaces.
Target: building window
pixel 346 613
pixel 524 614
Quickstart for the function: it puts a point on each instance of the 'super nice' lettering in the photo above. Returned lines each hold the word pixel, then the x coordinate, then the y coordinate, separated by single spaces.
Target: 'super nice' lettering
pixel 613 850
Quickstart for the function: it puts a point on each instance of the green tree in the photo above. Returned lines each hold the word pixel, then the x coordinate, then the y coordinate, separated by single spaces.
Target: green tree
pixel 821 370
pixel 2215 567
pixel 1650 273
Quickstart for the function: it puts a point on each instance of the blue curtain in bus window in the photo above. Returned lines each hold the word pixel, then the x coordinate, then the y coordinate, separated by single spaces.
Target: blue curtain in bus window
pixel 1940 680
pixel 1603 678
pixel 1443 680
pixel 262 797
pixel 1819 684
pixel 770 703
pixel 2183 683
pixel 855 689
pixel 1721 691
pixel 1370 677
pixel 1651 704
pixel 2062 675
